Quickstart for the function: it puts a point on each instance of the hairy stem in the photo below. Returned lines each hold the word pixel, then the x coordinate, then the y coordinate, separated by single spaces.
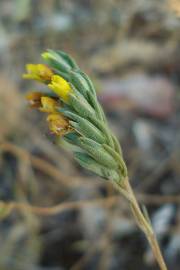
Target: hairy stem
pixel 125 189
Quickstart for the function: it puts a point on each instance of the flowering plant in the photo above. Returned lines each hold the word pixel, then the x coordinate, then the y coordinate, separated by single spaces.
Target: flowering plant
pixel 74 113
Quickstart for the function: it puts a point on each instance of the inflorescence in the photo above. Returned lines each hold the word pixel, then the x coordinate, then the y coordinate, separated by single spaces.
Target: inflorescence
pixel 74 113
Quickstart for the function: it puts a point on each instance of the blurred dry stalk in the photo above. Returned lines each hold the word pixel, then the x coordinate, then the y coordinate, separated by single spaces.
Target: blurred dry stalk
pixel 51 170
pixel 55 173
pixel 7 208
pixel 45 166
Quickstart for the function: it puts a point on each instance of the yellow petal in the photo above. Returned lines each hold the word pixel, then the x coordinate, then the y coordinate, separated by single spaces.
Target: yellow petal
pixel 61 87
pixel 48 104
pixel 58 124
pixel 38 72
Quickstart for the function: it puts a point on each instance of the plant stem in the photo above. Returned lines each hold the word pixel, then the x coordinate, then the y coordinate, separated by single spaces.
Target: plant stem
pixel 143 223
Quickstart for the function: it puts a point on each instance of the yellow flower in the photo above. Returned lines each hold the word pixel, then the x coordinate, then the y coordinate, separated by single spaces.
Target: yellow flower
pixel 38 72
pixel 41 102
pixel 34 99
pixel 58 124
pixel 61 87
pixel 48 105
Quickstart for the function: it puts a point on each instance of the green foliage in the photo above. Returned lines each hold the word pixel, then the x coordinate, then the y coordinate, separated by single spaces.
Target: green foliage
pixel 79 83
pixel 90 164
pixel 87 129
pixel 98 152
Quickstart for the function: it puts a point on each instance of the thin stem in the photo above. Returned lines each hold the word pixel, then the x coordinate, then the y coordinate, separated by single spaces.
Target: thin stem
pixel 141 221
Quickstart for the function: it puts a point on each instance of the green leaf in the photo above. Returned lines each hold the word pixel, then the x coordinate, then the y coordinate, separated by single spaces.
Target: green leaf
pixel 117 157
pixel 72 138
pixel 79 82
pixel 90 164
pixel 68 59
pixel 81 106
pixel 89 82
pixel 96 151
pixel 87 129
pixel 103 127
pixel 117 145
pixel 95 104
pixel 56 61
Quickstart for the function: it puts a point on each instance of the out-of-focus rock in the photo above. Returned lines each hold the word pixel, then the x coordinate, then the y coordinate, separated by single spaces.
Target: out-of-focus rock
pixel 122 227
pixel 144 134
pixel 58 22
pixel 162 218
pixel 93 221
pixel 4 41
pixel 151 95
pixel 172 251
pixel 128 52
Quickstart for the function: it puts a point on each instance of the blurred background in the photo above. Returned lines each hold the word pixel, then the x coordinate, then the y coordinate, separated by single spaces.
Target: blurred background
pixel 131 50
